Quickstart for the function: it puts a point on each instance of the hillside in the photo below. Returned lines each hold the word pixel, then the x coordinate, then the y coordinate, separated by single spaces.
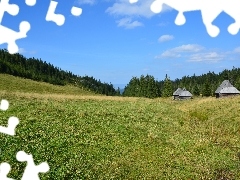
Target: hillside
pixel 41 71
pixel 103 137
pixel 12 84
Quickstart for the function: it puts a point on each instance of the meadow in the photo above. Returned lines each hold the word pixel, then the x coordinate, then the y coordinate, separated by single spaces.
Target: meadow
pixel 86 136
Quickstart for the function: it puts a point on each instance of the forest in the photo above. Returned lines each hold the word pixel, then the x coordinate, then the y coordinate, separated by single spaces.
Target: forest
pixel 38 70
pixel 204 85
pixel 143 86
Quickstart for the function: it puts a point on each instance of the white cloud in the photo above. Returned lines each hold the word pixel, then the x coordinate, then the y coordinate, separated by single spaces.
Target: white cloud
pixel 162 24
pixel 91 2
pixel 206 56
pixel 141 8
pixel 128 23
pixel 236 50
pixel 198 53
pixel 21 50
pixel 188 48
pixel 123 8
pixel 24 51
pixel 176 52
pixel 165 38
pixel 168 54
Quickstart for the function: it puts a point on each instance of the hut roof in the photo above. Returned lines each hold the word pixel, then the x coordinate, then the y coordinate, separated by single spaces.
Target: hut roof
pixel 185 94
pixel 224 84
pixel 229 90
pixel 177 92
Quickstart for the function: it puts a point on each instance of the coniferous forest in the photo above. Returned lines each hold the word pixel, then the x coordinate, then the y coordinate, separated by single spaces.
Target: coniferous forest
pixel 144 86
pixel 205 84
pixel 38 70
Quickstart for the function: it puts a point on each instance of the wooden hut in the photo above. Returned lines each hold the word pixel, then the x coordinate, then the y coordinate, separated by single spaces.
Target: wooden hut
pixel 182 94
pixel 185 95
pixel 226 89
pixel 176 93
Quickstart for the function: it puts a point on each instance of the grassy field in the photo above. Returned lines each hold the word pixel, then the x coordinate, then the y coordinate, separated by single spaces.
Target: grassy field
pixel 10 83
pixel 84 136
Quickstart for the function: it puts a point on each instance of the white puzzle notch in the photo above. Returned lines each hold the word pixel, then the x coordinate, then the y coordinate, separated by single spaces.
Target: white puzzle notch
pixel 4 105
pixel 10 130
pixel 31 171
pixel 210 10
pixel 7 35
pixel 59 19
pixel 4 170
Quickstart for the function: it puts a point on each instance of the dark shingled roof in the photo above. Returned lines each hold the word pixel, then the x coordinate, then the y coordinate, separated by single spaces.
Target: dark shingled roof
pixel 185 94
pixel 177 92
pixel 229 90
pixel 182 92
pixel 226 87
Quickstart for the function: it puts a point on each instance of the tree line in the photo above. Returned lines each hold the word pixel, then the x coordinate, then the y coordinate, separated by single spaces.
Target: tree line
pixel 205 84
pixel 38 70
pixel 144 86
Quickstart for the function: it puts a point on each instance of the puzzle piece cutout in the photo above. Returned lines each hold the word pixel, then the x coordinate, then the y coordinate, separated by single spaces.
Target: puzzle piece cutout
pixel 4 105
pixel 210 10
pixel 8 35
pixel 59 19
pixel 4 170
pixel 31 171
pixel 10 130
pixel 76 11
pixel 12 121
pixel 30 2
pixel 12 9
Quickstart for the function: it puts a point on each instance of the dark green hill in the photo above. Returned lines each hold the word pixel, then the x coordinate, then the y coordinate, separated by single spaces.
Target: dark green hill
pixel 13 84
pixel 38 70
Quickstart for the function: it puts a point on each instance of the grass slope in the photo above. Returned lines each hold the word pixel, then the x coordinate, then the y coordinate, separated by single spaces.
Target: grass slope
pixel 123 138
pixel 11 83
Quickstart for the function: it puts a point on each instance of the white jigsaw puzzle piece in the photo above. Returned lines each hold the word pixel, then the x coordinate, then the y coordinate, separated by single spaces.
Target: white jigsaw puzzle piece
pixel 9 36
pixel 210 10
pixel 12 123
pixel 59 19
pixel 4 170
pixel 76 11
pixel 4 105
pixel 12 9
pixel 231 7
pixel 31 171
pixel 30 2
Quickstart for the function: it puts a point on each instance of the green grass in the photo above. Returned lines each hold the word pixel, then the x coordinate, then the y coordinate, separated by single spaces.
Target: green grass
pixel 10 83
pixel 98 137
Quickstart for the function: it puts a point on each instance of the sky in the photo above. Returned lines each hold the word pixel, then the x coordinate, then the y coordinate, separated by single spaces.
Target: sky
pixel 114 40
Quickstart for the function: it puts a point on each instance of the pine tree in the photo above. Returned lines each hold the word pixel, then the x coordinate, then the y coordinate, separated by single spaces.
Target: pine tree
pixel 207 91
pixel 118 92
pixel 196 90
pixel 167 87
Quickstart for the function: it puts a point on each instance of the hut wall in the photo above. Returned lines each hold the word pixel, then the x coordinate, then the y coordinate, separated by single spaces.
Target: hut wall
pixel 228 94
pixel 184 97
pixel 175 97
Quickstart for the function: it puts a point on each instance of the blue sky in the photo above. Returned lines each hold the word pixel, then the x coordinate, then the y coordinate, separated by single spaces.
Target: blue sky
pixel 113 40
